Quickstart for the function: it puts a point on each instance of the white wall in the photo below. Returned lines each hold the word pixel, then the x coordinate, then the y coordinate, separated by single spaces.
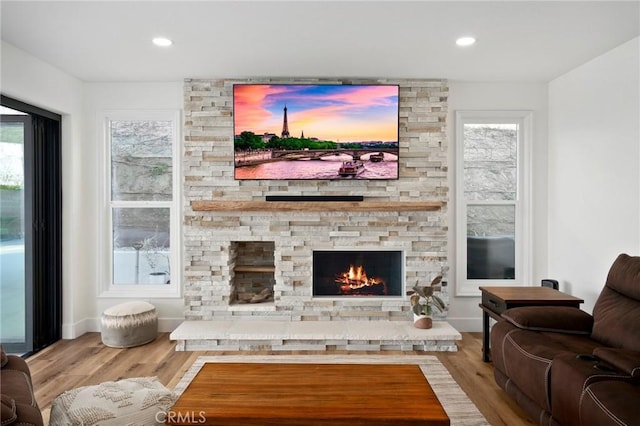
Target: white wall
pixel 594 172
pixel 30 80
pixel 99 98
pixel 590 214
pixel 465 315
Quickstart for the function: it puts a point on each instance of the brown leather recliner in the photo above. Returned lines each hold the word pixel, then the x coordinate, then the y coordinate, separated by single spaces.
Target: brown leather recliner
pixel 18 402
pixel 566 367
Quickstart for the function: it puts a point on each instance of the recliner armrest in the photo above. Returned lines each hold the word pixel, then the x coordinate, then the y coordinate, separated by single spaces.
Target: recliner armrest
pixel 559 319
pixel 623 359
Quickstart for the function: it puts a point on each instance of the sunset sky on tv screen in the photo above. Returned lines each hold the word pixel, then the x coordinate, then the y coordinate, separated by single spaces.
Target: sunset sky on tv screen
pixel 339 113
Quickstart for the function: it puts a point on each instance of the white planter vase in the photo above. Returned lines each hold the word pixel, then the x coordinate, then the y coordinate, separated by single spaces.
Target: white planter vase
pixel 422 321
pixel 158 278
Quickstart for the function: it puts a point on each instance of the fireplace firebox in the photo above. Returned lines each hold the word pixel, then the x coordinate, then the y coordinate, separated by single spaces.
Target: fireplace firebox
pixel 349 273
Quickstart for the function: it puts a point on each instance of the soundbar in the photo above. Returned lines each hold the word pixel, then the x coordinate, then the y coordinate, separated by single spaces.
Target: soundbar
pixel 315 198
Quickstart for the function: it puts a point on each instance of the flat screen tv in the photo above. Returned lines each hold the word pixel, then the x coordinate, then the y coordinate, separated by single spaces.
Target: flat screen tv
pixel 315 131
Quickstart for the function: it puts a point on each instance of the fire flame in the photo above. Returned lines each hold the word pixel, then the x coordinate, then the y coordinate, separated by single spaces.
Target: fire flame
pixel 356 279
pixel 357 274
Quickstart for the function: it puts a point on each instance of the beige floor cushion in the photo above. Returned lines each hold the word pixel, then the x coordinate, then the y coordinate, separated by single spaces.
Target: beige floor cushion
pixel 129 324
pixel 135 401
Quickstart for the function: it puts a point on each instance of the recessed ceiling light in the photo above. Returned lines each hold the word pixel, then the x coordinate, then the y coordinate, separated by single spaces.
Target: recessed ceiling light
pixel 162 41
pixel 465 41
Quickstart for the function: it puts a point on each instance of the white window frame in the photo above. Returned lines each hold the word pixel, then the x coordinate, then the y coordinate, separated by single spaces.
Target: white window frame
pixel 105 278
pixel 522 203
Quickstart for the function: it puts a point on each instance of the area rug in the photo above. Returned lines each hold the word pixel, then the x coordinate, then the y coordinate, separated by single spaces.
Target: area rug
pixel 455 402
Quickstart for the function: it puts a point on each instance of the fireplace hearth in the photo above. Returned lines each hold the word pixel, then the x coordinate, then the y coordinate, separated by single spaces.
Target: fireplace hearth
pixel 345 273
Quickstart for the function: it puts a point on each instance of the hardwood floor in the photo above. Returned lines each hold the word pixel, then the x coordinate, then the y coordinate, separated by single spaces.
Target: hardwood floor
pixel 86 361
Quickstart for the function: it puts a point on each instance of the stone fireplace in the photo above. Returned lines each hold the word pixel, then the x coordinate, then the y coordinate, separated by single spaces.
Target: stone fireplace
pixel 239 247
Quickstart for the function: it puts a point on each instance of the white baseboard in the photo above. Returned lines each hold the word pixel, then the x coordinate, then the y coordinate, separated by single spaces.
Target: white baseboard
pixel 469 325
pixel 92 325
pixel 167 325
pixel 77 329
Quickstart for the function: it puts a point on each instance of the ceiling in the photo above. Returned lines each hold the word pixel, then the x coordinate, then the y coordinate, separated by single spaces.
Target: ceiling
pixel 519 41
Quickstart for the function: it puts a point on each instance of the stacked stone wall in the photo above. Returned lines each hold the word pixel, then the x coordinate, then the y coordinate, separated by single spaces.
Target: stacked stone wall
pixel 210 238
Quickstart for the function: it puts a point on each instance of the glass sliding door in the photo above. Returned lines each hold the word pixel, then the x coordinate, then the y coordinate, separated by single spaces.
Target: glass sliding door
pixel 30 227
pixel 15 233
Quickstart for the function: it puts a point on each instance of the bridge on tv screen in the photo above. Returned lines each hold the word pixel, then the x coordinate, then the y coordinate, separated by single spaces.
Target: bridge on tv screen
pixel 316 154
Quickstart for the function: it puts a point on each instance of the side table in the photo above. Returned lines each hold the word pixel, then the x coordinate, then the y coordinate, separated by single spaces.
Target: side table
pixel 496 300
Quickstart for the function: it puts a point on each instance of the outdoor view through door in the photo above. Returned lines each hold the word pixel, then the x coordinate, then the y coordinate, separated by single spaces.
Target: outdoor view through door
pixel 13 328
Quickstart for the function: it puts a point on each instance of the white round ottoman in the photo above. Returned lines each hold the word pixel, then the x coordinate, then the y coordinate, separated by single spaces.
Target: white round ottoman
pixel 129 324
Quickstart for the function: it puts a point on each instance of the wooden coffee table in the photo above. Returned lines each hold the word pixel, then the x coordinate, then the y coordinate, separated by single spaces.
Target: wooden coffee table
pixel 308 394
pixel 496 300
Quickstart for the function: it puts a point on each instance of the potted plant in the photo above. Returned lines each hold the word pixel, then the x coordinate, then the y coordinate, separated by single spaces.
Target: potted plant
pixel 424 301
pixel 154 255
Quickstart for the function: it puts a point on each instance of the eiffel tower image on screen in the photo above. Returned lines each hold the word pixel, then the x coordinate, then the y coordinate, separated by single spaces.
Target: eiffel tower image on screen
pixel 285 125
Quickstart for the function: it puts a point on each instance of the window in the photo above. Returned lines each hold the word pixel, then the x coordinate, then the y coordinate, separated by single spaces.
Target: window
pixel 141 215
pixel 492 199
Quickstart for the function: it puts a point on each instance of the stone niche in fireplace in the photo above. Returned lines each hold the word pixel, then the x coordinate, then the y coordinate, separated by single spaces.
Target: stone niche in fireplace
pixel 253 271
pixel 347 273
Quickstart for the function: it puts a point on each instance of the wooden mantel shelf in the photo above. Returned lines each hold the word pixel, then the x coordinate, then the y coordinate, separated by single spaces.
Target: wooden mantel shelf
pixel 315 206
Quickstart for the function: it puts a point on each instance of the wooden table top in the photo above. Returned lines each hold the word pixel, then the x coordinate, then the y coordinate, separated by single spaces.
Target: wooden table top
pixel 528 294
pixel 308 394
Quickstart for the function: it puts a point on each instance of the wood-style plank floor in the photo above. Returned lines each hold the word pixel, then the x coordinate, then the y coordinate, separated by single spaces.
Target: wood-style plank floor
pixel 86 361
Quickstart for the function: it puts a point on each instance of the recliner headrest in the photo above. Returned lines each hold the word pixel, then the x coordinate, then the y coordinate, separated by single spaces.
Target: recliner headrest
pixel 624 276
